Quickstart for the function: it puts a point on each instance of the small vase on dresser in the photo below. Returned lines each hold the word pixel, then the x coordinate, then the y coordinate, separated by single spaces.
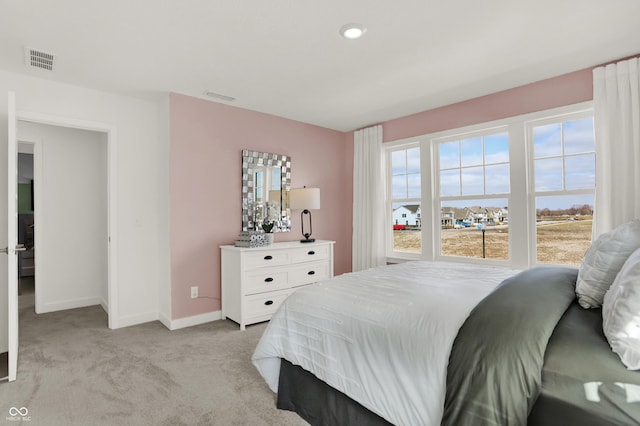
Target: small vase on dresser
pixel 255 281
pixel 269 236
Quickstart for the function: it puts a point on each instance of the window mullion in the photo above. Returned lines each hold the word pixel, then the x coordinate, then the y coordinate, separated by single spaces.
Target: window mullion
pixel 522 168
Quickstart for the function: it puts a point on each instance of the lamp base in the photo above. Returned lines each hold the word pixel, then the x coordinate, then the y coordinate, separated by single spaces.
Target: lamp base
pixel 308 240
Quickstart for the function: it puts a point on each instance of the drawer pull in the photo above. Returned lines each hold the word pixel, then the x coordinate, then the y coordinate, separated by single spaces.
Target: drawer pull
pixel 311 253
pixel 268 302
pixel 311 273
pixel 268 257
pixel 268 280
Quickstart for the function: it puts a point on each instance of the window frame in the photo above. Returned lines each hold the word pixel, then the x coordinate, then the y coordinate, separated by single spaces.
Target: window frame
pixel 389 148
pixel 529 125
pixel 521 198
pixel 438 199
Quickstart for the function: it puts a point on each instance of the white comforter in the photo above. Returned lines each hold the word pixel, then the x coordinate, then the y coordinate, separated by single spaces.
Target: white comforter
pixel 381 336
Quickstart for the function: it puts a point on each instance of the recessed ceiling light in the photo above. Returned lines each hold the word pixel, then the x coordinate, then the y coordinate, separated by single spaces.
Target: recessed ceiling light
pixel 352 31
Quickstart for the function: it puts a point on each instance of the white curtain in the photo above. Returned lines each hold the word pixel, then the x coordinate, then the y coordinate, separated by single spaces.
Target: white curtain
pixel 368 200
pixel 616 99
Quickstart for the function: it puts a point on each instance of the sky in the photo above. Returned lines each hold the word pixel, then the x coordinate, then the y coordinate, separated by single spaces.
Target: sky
pixel 563 159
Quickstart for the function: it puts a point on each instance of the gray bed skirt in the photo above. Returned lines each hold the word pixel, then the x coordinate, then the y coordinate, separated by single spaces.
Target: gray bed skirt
pixel 317 402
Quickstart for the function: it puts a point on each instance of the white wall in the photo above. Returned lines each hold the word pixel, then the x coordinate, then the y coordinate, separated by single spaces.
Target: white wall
pixel 142 167
pixel 25 166
pixel 71 263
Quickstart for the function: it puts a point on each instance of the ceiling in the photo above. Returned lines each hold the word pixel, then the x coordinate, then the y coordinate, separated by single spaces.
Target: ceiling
pixel 286 58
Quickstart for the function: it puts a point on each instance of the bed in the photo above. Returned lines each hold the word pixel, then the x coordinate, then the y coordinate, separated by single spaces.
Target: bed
pixel 429 343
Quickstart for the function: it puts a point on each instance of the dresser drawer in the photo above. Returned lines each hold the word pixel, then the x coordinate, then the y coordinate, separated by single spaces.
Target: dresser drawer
pixel 266 258
pixel 265 279
pixel 255 281
pixel 260 305
pixel 308 273
pixel 310 253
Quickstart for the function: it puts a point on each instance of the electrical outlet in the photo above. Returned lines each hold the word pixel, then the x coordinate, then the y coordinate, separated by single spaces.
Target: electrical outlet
pixel 194 292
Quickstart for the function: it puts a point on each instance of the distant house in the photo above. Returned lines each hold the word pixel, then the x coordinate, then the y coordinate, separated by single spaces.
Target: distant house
pixel 409 215
pixel 497 214
pixel 473 215
pixel 447 216
pixel 476 214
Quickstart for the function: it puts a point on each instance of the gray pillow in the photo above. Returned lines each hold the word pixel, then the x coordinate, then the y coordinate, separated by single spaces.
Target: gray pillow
pixel 603 261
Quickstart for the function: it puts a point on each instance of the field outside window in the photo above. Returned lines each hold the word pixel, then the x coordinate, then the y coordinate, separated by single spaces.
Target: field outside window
pixel 406 211
pixel 539 167
pixel 564 174
pixel 476 165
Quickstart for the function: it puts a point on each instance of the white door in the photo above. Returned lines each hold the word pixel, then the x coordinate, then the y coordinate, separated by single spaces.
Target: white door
pixel 12 237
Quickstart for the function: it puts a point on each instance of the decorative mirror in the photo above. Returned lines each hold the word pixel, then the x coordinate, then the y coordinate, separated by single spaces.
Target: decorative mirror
pixel 266 180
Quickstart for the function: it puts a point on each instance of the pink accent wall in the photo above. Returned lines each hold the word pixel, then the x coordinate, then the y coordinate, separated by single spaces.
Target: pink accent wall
pixel 554 92
pixel 206 142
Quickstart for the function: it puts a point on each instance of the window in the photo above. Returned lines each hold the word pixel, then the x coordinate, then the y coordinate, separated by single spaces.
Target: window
pixel 474 185
pixel 517 191
pixel 564 185
pixel 405 200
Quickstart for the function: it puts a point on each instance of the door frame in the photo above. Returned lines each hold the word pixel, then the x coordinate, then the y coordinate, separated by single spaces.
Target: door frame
pixel 112 192
pixel 13 334
pixel 36 152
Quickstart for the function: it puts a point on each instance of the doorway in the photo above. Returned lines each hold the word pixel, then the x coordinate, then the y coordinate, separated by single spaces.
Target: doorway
pixel 108 141
pixel 26 266
pixel 70 217
pixel 26 227
pixel 109 136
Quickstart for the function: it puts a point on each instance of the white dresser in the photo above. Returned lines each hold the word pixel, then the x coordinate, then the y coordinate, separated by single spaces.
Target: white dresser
pixel 255 281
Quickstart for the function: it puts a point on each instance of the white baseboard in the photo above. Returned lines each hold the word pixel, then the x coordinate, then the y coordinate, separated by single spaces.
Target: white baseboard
pixel 190 321
pixel 165 320
pixel 69 304
pixel 136 319
pixel 105 305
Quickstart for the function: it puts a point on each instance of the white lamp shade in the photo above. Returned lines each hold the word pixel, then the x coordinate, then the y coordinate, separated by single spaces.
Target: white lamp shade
pixel 304 199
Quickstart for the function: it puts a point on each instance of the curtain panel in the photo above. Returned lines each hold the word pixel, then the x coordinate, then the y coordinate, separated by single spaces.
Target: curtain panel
pixel 368 200
pixel 616 103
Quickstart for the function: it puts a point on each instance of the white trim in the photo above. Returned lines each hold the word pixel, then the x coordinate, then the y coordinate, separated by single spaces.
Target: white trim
pixel 70 304
pixel 13 334
pixel 389 233
pixel 37 214
pixel 190 321
pixel 531 190
pixel 112 170
pixel 137 319
pixel 437 199
pixel 36 151
pixel 520 198
pixel 165 320
pixel 402 143
pixel 112 227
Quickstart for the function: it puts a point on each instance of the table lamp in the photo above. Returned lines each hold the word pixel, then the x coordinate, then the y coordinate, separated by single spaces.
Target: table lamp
pixel 305 199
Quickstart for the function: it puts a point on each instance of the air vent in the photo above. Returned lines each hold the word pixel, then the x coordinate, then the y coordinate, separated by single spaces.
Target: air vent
pixel 38 59
pixel 219 96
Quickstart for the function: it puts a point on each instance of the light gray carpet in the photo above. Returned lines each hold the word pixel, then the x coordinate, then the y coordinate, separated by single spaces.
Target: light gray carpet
pixel 73 370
